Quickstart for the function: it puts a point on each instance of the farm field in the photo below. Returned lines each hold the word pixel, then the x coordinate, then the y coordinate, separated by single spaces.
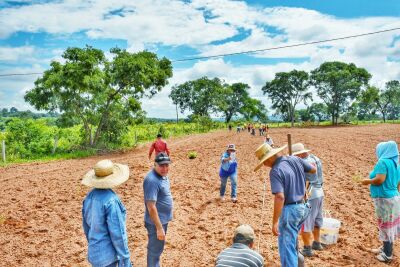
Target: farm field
pixel 40 204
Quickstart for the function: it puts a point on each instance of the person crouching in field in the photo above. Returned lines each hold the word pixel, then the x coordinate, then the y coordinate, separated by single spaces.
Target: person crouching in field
pixel 288 184
pixel 313 223
pixel 227 170
pixel 241 253
pixel 268 140
pixel 104 216
pixel 158 146
pixel 385 186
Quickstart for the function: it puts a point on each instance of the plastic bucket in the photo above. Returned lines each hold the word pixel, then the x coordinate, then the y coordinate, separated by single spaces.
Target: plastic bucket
pixel 330 231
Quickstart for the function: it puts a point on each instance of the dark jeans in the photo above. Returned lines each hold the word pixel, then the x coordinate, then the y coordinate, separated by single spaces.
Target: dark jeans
pixel 388 248
pixel 155 247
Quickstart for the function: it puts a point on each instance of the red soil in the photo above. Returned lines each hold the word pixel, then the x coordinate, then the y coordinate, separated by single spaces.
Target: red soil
pixel 41 202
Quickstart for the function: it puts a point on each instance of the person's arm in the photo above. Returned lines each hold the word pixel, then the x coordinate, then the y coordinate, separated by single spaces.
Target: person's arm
pixel 151 207
pixel 378 180
pixel 151 150
pixel 224 159
pixel 117 228
pixel 85 225
pixel 279 201
pixel 378 175
pixel 308 168
pixel 166 149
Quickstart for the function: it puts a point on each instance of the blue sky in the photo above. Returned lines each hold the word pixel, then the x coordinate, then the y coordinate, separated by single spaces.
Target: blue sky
pixel 33 33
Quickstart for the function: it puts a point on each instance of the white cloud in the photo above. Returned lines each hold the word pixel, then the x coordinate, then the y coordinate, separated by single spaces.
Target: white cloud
pixel 198 24
pixel 16 53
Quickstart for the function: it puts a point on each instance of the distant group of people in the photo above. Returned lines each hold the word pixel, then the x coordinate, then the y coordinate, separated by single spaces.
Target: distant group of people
pixel 296 183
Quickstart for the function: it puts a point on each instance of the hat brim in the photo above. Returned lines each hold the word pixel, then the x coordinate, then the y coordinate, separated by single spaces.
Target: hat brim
pixel 119 176
pixel 164 162
pixel 301 152
pixel 268 155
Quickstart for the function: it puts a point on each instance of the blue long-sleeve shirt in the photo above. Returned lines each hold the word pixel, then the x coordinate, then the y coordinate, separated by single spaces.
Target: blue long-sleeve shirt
pixel 104 224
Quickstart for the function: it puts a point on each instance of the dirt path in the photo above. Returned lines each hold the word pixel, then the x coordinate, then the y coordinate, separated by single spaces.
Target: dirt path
pixel 42 201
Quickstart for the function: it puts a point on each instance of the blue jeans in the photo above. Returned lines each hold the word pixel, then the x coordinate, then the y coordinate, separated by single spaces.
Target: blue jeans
pixel 290 223
pixel 224 180
pixel 155 247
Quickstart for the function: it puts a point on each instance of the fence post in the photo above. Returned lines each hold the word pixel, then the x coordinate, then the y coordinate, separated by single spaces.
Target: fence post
pixel 3 150
pixel 135 138
pixel 289 137
pixel 55 145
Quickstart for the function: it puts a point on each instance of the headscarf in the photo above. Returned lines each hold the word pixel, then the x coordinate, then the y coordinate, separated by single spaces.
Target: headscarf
pixel 388 150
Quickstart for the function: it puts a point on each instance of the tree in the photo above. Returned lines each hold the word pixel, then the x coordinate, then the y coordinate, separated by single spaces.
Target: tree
pixel 201 96
pixel 94 89
pixel 253 109
pixel 304 114
pixel 287 90
pixel 235 96
pixel 319 110
pixel 337 84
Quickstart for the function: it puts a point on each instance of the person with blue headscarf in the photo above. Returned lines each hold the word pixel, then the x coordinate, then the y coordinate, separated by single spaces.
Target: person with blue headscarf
pixel 384 184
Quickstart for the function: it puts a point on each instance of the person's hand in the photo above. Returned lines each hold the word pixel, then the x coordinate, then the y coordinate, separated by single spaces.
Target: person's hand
pixel 161 234
pixel 275 229
pixel 365 181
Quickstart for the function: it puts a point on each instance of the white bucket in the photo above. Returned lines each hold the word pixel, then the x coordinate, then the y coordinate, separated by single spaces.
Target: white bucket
pixel 330 231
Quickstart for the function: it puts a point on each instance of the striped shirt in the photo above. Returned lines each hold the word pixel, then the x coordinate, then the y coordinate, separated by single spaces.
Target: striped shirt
pixel 239 255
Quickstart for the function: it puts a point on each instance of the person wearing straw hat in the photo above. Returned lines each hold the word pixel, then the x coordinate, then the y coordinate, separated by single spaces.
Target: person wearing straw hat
pixel 287 178
pixel 159 205
pixel 313 223
pixel 227 170
pixel 241 252
pixel 384 182
pixel 104 216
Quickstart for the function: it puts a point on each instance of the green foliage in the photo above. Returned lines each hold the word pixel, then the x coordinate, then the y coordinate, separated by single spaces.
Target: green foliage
pixel 287 90
pixel 201 96
pixel 192 155
pixel 101 94
pixel 337 84
pixel 319 111
pixel 26 138
pixel 254 109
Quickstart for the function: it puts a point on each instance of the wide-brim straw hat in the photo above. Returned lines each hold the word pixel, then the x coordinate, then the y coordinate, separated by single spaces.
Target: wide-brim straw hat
pixel 264 152
pixel 298 149
pixel 106 174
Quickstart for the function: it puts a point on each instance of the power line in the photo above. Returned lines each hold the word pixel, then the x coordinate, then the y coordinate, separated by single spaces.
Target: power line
pixel 285 46
pixel 20 74
pixel 246 52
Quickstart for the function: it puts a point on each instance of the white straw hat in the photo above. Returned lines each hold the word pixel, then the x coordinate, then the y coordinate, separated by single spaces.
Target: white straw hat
pixel 106 174
pixel 264 152
pixel 298 149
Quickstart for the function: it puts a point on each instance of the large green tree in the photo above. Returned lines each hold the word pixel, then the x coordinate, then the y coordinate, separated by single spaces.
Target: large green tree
pixel 202 96
pixel 235 97
pixel 337 84
pixel 93 89
pixel 287 90
pixel 254 109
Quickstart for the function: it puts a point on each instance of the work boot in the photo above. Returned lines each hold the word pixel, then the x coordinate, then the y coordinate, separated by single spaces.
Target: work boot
pixel 317 246
pixel 307 251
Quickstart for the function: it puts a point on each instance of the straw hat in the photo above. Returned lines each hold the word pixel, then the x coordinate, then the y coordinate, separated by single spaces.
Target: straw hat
pixel 264 152
pixel 298 149
pixel 106 174
pixel 231 147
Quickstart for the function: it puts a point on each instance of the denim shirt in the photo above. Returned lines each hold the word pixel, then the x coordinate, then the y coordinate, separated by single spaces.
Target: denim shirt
pixel 104 223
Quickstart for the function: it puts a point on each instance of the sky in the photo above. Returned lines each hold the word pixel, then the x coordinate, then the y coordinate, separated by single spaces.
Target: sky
pixel 34 33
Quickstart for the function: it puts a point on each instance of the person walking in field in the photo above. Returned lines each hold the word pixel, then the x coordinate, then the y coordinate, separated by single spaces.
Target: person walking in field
pixel 158 146
pixel 104 216
pixel 241 253
pixel 384 181
pixel 287 178
pixel 268 140
pixel 227 170
pixel 158 207
pixel 313 223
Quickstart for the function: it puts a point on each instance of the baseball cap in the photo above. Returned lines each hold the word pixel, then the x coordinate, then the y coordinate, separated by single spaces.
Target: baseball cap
pixel 162 158
pixel 244 232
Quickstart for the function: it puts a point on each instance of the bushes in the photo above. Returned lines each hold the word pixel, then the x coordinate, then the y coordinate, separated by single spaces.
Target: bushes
pixel 26 138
